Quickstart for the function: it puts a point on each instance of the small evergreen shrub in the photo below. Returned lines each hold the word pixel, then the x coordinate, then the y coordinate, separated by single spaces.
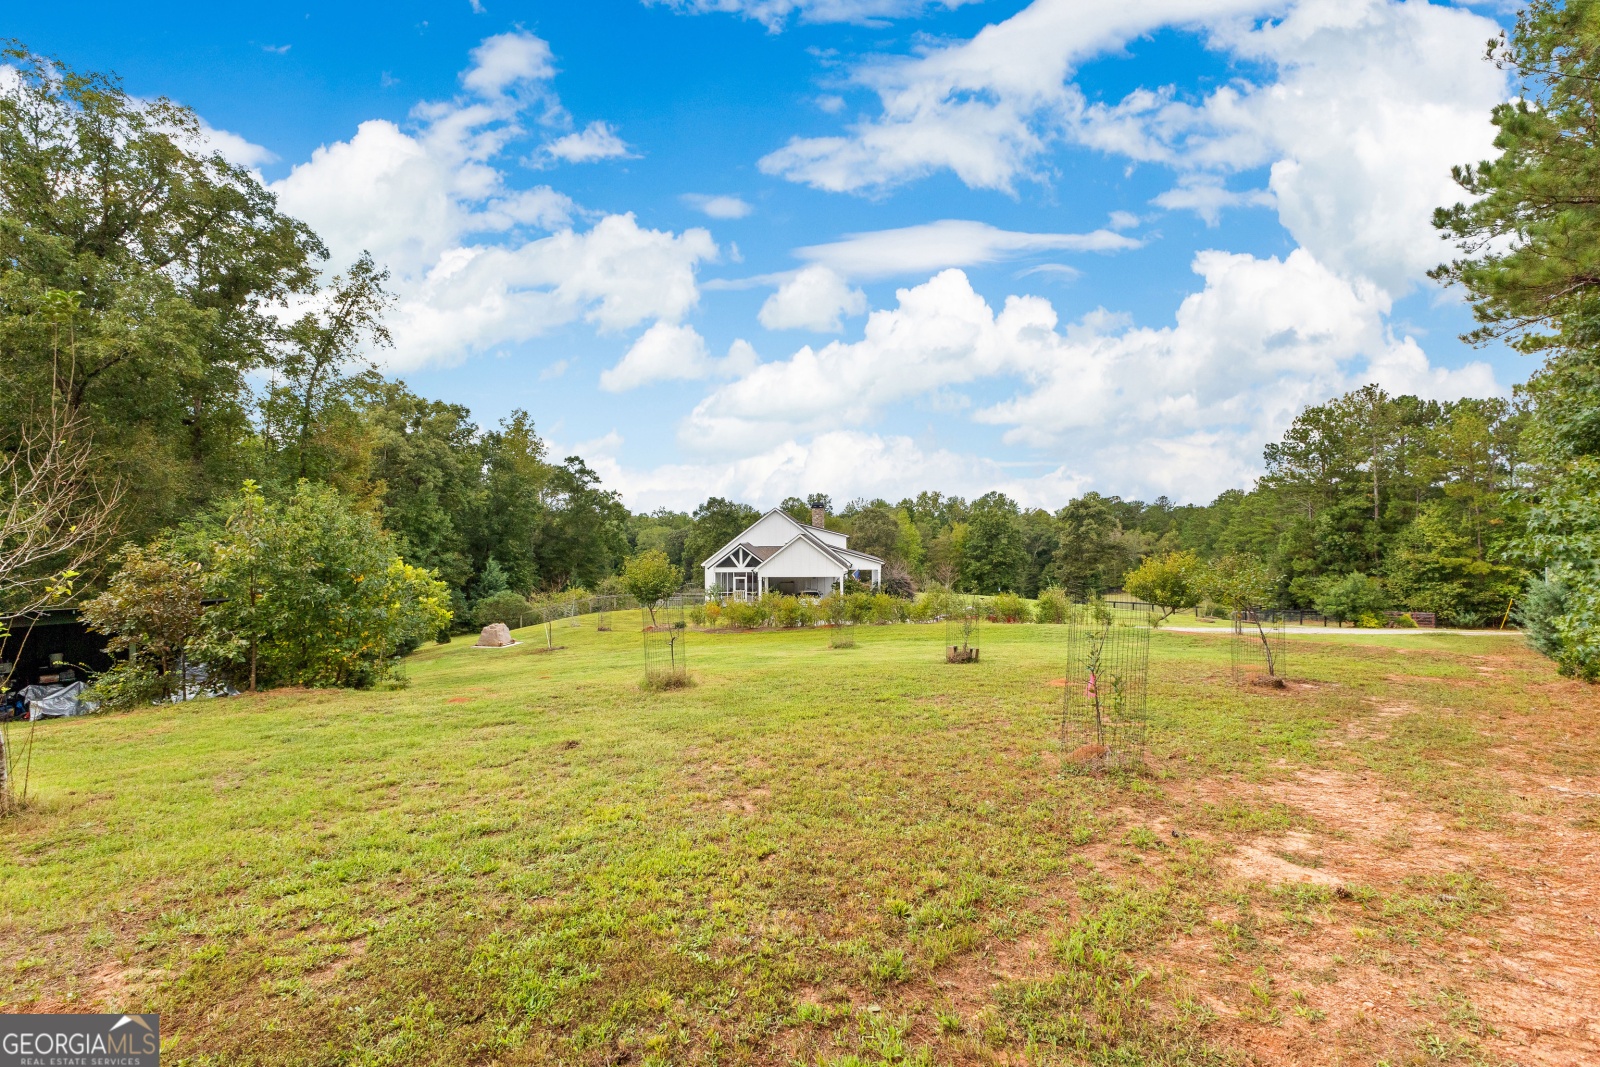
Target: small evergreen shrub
pixel 1542 605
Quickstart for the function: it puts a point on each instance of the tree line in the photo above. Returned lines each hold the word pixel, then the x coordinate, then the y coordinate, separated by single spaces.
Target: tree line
pixel 1423 498
pixel 192 352
pixel 175 352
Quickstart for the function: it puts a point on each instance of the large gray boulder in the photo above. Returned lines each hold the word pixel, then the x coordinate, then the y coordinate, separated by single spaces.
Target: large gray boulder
pixel 495 635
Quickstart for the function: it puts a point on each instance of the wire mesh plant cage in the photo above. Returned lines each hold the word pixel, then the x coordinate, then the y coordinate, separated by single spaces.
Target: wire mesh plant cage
pixel 543 610
pixel 602 618
pixel 962 629
pixel 574 612
pixel 1108 666
pixel 1259 649
pixel 666 649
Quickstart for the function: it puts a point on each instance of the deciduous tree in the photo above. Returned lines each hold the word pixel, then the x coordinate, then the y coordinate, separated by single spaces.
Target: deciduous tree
pixel 1171 581
pixel 176 259
pixel 152 610
pixel 650 578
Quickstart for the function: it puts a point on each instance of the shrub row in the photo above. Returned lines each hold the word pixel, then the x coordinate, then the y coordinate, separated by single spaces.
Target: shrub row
pixel 784 611
pixel 773 609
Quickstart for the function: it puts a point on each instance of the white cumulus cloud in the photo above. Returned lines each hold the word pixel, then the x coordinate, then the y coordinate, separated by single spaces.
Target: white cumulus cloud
pixel 1181 409
pixel 239 151
pixel 846 463
pixel 594 142
pixel 941 334
pixel 664 352
pixel 1369 105
pixel 985 108
pixel 1207 196
pixel 1358 109
pixel 667 352
pixel 509 61
pixel 475 262
pixel 815 298
pixel 1262 339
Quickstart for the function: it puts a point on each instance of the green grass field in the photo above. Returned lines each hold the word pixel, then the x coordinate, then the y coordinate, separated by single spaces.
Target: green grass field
pixel 813 855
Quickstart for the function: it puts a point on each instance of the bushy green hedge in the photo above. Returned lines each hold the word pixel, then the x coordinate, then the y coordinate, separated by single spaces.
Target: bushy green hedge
pixel 1009 607
pixel 1053 606
pixel 504 606
pixel 783 611
pixel 935 601
pixel 886 608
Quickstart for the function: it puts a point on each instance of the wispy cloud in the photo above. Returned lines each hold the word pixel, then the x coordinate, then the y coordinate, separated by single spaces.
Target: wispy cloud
pixel 934 246
pixel 717 207
pixel 775 14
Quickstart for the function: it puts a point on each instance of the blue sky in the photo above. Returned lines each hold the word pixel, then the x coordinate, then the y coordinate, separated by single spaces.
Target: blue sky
pixel 865 247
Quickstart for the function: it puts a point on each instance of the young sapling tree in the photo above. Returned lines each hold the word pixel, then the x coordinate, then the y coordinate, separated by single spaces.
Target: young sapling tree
pixel 1244 585
pixel 650 578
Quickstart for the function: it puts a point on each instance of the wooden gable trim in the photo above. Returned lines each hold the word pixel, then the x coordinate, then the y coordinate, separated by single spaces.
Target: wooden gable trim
pixel 740 558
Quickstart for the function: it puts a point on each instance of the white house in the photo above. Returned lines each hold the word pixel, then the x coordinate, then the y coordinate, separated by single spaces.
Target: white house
pixel 776 552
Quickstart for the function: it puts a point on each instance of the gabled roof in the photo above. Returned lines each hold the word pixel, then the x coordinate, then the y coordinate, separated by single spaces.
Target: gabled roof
pixel 759 552
pixel 766 552
pixel 741 553
pixel 810 542
pixel 860 555
pixel 827 549
pixel 739 539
